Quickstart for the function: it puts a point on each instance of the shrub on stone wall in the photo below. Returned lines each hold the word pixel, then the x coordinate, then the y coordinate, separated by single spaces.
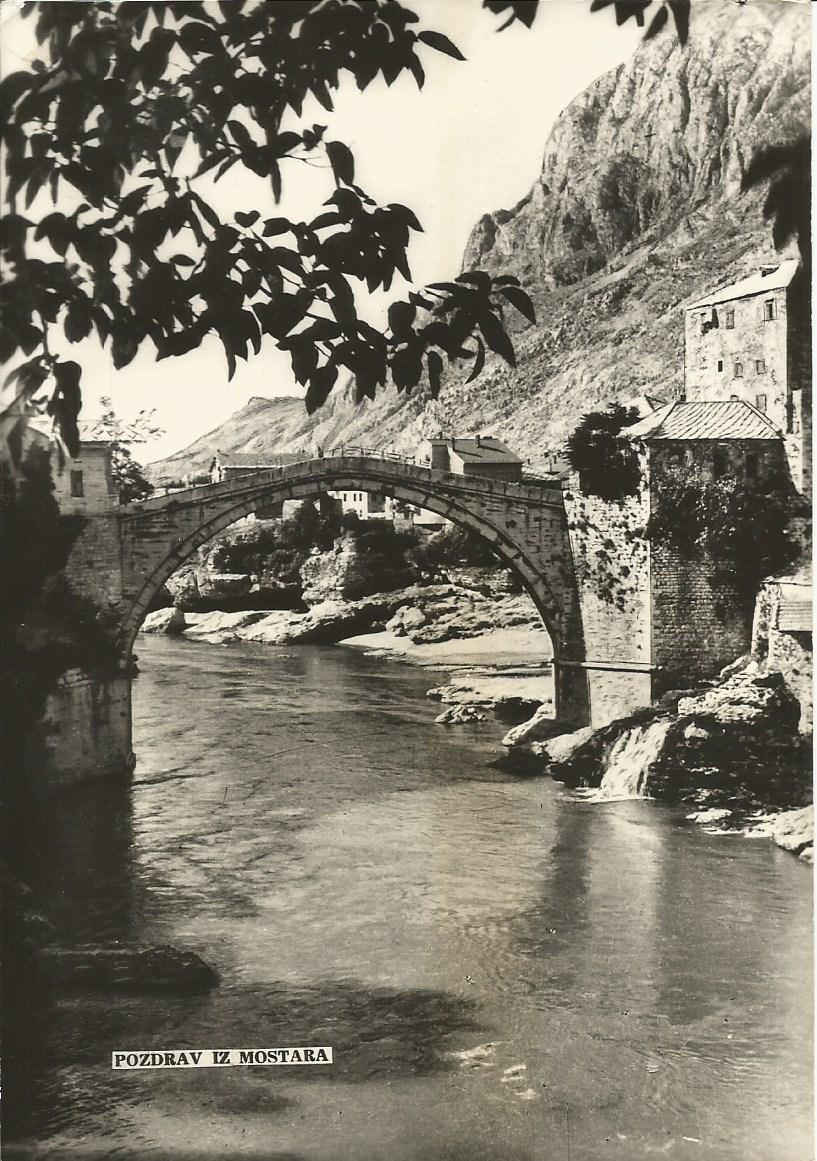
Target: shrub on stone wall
pixel 606 462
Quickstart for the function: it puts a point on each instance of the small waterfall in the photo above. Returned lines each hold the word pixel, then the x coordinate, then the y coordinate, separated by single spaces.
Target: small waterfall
pixel 629 760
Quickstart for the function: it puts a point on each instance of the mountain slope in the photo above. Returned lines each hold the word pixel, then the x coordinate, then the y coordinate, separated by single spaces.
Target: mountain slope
pixel 637 210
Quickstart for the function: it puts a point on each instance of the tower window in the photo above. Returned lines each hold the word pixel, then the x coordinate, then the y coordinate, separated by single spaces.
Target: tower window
pixel 768 310
pixel 760 366
pixel 760 402
pixel 751 465
pixel 730 319
pixel 720 364
pixel 77 484
pixel 738 370
pixel 720 462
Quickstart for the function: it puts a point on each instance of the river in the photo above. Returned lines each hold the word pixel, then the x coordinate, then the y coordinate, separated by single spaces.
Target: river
pixel 504 971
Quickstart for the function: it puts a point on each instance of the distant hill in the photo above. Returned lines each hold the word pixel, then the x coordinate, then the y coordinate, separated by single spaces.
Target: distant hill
pixel 636 211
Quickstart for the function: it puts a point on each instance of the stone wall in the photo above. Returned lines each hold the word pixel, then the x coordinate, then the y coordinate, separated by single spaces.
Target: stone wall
pixel 85 732
pixel 612 566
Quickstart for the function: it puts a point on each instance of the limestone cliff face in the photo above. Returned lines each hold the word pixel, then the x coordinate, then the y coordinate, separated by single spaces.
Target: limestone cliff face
pixel 636 211
pixel 656 141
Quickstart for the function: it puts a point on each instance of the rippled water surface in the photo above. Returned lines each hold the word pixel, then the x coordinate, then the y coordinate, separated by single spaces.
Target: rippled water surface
pixel 504 972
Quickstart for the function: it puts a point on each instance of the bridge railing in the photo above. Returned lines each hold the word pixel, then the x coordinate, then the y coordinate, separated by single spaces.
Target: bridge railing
pixel 376 453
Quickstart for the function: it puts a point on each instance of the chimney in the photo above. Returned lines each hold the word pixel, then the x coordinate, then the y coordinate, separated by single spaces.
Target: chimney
pixel 479 441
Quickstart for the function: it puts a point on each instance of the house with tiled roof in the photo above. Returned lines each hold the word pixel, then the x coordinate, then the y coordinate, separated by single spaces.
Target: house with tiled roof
pixel 478 455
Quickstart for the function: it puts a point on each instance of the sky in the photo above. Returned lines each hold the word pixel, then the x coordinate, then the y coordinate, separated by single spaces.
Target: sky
pixel 470 142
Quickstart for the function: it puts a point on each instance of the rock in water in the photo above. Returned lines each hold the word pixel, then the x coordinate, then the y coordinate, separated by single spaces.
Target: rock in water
pixel 170 621
pixel 127 969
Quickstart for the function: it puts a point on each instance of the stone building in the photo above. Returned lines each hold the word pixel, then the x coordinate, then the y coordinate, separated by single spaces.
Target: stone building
pixel 697 626
pixel 480 455
pixel 751 341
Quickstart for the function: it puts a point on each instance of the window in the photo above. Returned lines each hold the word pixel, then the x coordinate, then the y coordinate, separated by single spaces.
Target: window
pixel 738 370
pixel 77 485
pixel 760 402
pixel 730 320
pixel 720 462
pixel 768 310
pixel 751 465
pixel 720 364
pixel 760 366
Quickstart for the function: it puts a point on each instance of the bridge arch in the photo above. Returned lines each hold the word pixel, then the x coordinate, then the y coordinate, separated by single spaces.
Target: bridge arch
pixel 198 521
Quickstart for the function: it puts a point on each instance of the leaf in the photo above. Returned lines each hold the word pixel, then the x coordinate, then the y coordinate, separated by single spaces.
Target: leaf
pixel 479 362
pixel 401 316
pixel 441 43
pixel 241 135
pixel 496 338
pixel 276 226
pixel 289 259
pixel 518 298
pixel 286 141
pixel 183 260
pixel 657 23
pixel 77 325
pixel 247 219
pixel 680 10
pixel 342 162
pixel 406 215
pixel 321 382
pixel 435 368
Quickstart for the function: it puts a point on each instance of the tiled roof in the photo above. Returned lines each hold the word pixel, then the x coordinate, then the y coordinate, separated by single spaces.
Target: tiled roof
pixel 777 278
pixel 724 419
pixel 487 451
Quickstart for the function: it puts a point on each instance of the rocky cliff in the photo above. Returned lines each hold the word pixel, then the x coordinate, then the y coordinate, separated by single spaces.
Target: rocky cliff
pixel 636 211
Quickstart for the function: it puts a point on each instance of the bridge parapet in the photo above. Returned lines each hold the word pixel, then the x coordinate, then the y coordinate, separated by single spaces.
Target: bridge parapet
pixel 377 470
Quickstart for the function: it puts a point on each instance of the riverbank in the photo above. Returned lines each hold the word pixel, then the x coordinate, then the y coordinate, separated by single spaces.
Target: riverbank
pixel 736 752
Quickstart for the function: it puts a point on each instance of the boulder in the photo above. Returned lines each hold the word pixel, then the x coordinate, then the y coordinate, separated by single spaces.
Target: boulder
pixel 170 621
pixel 215 586
pixel 562 746
pixel 542 725
pixel 745 699
pixel 127 969
pixel 793 830
pixel 407 620
pixel 455 714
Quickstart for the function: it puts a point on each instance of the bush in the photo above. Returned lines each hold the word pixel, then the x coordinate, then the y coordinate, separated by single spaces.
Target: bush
pixel 455 545
pixel 606 461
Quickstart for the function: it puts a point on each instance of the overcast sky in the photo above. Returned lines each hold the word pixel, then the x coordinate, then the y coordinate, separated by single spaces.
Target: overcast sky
pixel 470 142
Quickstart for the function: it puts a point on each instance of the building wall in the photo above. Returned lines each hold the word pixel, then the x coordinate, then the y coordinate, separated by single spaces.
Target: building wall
pixel 90 474
pixel 712 352
pixel 798 441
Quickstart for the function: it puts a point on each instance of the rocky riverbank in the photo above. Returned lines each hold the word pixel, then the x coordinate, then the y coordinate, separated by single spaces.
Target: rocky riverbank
pixel 734 751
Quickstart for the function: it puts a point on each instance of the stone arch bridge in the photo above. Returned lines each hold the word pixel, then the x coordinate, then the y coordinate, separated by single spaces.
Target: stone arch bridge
pixel 600 656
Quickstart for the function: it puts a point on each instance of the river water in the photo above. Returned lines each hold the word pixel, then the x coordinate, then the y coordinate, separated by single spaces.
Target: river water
pixel 505 972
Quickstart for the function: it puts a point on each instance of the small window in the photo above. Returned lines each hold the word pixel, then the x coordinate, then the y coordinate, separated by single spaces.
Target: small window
pixel 730 320
pixel 720 364
pixel 77 484
pixel 768 310
pixel 760 366
pixel 751 465
pixel 738 370
pixel 760 402
pixel 720 462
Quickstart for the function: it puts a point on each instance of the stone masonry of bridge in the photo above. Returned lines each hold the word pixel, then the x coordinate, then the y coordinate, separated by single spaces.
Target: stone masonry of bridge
pixel 601 658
